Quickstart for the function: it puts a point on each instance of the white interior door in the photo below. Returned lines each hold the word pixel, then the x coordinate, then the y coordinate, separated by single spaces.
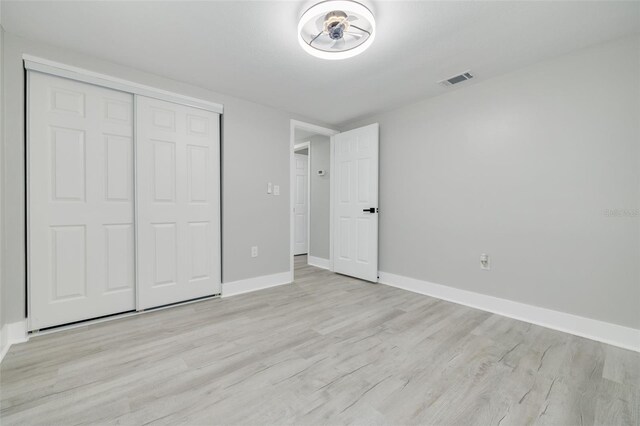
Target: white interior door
pixel 80 201
pixel 355 200
pixel 178 194
pixel 301 206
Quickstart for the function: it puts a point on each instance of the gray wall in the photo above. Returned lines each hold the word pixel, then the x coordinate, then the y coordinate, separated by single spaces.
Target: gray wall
pixel 320 192
pixel 2 240
pixel 255 151
pixel 526 168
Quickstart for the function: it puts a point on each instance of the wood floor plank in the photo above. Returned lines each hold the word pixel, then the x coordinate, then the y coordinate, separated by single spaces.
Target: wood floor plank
pixel 622 366
pixel 327 349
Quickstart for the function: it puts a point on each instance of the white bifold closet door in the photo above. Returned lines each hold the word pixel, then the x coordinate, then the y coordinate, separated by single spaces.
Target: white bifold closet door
pixel 80 201
pixel 178 202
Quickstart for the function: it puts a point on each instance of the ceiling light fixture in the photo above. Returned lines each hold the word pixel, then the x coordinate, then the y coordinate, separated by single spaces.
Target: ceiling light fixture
pixel 336 29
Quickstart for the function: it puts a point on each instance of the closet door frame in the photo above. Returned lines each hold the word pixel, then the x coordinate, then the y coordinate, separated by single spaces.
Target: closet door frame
pixel 34 63
pixel 46 66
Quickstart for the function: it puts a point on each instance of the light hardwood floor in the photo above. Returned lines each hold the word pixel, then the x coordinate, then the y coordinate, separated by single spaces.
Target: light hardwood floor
pixel 326 350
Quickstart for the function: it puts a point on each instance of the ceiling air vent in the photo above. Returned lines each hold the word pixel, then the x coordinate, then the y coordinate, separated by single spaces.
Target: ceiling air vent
pixel 456 79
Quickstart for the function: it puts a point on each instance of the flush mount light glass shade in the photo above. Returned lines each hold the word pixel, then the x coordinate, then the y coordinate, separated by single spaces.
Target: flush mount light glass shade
pixel 336 29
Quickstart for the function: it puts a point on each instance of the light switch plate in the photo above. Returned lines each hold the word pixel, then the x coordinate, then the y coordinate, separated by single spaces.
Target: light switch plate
pixel 485 262
pixel 269 188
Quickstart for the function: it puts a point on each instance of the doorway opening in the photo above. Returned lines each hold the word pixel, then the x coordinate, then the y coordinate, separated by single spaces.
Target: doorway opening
pixel 311 183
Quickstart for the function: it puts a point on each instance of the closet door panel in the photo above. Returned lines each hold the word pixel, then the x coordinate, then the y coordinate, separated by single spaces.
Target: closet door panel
pixel 80 184
pixel 178 160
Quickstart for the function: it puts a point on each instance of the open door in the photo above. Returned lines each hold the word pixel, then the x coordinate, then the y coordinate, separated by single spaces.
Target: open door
pixel 355 200
pixel 301 206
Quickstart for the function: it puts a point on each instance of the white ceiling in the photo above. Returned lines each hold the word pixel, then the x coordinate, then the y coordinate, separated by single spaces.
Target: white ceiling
pixel 250 50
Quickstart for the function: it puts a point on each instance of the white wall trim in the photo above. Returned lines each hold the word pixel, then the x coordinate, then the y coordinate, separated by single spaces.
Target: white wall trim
pixel 248 285
pixel 12 333
pixel 319 262
pixel 35 63
pixel 302 145
pixel 295 124
pixel 613 334
pixel 332 168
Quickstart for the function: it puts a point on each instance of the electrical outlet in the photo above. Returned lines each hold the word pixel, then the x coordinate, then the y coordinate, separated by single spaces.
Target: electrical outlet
pixel 254 251
pixel 276 189
pixel 485 262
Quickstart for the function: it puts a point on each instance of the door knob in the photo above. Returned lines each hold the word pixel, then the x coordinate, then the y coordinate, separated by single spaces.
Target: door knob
pixel 370 210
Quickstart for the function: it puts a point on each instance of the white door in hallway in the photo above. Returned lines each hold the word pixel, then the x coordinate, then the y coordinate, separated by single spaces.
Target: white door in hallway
pixel 355 200
pixel 80 201
pixel 301 205
pixel 178 195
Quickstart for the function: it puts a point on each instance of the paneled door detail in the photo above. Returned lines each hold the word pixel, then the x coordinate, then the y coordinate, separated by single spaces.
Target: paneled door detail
pixel 355 195
pixel 80 201
pixel 301 207
pixel 178 210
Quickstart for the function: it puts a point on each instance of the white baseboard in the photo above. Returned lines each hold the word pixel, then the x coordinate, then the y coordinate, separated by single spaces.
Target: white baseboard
pixel 248 285
pixel 319 262
pixel 11 334
pixel 613 334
